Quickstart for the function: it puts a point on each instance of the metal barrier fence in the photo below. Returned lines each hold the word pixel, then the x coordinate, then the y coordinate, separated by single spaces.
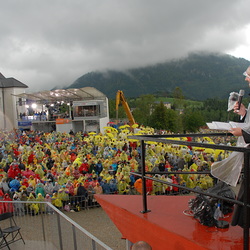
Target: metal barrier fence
pixel 77 203
pixel 165 139
pixel 49 228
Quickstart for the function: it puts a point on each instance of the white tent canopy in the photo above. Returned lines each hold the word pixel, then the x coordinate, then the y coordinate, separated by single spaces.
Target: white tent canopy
pixel 86 93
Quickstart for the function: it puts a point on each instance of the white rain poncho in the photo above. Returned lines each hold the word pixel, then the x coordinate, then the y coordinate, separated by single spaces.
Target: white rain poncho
pixel 228 170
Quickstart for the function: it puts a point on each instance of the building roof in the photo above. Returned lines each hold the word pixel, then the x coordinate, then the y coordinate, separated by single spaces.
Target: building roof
pixel 86 93
pixel 10 82
pixel 1 76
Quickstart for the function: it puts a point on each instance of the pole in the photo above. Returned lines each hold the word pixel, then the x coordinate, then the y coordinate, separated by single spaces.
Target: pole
pixel 246 200
pixel 144 189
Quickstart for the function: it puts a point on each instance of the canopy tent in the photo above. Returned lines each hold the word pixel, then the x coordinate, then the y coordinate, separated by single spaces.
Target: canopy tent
pixel 66 95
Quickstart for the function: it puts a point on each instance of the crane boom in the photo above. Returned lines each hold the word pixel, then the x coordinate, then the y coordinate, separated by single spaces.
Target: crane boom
pixel 120 98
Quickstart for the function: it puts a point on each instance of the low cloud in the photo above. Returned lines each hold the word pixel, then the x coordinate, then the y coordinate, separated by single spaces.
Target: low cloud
pixel 47 44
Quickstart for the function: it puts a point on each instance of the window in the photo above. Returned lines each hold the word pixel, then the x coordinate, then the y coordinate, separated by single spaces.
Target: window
pixel 86 111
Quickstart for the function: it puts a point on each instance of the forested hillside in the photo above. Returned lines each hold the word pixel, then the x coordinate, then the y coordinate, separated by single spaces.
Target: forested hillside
pixel 199 76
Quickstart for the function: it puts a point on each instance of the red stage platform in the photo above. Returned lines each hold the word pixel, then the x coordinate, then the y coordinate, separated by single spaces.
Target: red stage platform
pixel 166 226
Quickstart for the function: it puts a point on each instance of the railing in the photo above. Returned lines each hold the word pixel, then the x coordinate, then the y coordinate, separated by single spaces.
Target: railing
pixel 42 223
pixel 34 118
pixel 165 139
pixel 79 202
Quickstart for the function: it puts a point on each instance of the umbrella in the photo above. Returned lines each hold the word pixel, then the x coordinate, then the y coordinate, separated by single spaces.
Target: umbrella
pixel 208 139
pixel 124 126
pixel 92 133
pixel 107 130
pixel 114 130
pixel 107 127
pixel 133 140
pixel 217 152
pixel 110 135
pixel 198 149
pixel 135 125
pixel 209 150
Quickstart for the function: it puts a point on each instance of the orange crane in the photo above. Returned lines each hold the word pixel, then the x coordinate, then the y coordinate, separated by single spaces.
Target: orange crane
pixel 120 98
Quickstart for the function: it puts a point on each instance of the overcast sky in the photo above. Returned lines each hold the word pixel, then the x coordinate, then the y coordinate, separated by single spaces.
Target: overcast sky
pixel 48 43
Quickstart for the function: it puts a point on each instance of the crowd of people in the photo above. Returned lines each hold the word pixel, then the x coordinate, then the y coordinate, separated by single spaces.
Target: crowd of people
pixel 67 169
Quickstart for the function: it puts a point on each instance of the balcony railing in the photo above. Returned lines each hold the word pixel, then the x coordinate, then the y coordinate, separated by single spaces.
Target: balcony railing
pixel 43 226
pixel 170 139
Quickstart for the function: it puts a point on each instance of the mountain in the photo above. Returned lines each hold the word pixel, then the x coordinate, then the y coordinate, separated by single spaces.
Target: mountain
pixel 200 76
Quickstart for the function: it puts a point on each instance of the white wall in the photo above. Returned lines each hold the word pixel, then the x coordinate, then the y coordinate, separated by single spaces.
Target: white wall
pixel 104 121
pixel 1 110
pixel 8 108
pixel 64 128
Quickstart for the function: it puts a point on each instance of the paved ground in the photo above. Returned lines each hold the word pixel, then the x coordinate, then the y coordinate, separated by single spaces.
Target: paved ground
pixel 97 222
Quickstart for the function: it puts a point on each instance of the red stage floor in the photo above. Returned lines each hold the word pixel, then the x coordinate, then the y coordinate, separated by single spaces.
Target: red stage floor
pixel 166 226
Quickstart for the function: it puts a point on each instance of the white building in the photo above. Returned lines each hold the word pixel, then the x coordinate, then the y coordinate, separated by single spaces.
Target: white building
pixel 9 89
pixel 62 110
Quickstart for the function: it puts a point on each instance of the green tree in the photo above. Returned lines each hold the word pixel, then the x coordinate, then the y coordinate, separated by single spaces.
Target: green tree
pixel 112 110
pixel 158 118
pixel 166 119
pixel 177 93
pixel 64 108
pixel 216 110
pixel 172 121
pixel 195 114
pixel 178 127
pixel 192 121
pixel 178 98
pixel 144 106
